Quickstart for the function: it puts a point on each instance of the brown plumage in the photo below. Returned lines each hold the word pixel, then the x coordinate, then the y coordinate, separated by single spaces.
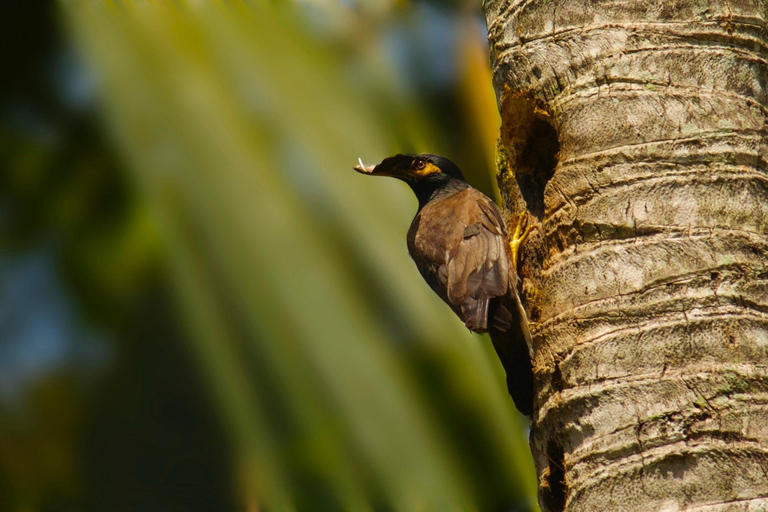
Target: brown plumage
pixel 460 245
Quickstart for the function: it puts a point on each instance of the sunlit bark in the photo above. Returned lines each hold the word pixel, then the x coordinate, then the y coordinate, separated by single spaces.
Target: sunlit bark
pixel 636 133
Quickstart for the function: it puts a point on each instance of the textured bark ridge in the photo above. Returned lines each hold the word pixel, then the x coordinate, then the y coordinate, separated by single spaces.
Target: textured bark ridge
pixel 636 132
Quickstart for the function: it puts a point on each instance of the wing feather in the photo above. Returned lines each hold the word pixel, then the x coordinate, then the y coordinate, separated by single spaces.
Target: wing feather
pixel 462 253
pixel 478 267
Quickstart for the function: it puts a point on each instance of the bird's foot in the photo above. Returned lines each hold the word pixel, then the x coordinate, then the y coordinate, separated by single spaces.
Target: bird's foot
pixel 520 236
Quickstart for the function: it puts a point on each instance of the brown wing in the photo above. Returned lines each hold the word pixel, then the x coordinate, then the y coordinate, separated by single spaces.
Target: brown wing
pixel 478 266
pixel 460 249
pixel 459 246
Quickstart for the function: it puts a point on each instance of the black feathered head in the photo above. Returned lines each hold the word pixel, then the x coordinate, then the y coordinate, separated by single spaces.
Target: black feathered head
pixel 411 168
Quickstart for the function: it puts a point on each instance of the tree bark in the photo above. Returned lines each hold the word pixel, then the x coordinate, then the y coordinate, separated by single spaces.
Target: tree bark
pixel 636 135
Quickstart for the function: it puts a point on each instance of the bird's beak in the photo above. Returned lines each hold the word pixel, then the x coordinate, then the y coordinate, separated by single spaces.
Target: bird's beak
pixel 364 169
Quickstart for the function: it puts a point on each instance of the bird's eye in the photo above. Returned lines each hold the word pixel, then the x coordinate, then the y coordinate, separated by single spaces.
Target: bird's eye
pixel 420 164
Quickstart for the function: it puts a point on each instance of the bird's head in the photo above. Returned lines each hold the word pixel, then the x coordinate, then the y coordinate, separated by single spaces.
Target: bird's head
pixel 414 168
pixel 426 174
pixel 429 176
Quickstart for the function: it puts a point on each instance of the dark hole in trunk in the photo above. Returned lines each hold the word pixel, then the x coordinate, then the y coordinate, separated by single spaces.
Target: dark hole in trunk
pixel 536 164
pixel 557 379
pixel 555 498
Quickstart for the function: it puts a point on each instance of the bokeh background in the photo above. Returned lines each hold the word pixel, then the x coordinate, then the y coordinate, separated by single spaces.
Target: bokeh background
pixel 202 307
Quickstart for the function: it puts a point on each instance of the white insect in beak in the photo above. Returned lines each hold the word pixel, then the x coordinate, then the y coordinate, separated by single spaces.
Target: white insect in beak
pixel 364 169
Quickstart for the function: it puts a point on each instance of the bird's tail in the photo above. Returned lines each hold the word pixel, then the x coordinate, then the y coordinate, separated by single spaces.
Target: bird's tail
pixel 512 342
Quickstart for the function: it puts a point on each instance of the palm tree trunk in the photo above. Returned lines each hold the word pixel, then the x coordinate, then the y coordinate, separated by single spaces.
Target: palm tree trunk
pixel 636 133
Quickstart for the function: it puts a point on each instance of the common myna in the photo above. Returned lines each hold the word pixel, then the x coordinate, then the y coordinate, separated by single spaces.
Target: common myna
pixel 459 243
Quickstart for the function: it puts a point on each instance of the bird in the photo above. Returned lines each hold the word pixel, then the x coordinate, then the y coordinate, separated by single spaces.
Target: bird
pixel 459 242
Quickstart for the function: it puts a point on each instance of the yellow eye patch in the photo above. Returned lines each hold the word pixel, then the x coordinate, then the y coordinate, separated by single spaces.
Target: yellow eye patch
pixel 430 168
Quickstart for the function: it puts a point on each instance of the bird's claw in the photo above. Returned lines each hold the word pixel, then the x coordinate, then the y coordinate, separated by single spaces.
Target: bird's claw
pixel 519 238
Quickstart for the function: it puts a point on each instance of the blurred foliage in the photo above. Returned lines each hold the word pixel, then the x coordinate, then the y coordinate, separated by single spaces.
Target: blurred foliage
pixel 272 346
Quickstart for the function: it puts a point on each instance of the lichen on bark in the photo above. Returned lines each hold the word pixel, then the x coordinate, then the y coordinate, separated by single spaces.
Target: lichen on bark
pixel 635 133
